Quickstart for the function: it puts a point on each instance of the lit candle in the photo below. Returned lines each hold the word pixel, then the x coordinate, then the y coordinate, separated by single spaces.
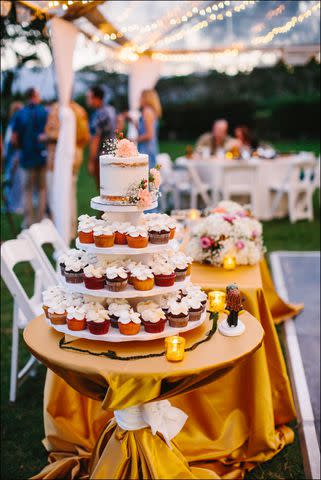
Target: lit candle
pixel 229 262
pixel 229 155
pixel 174 348
pixel 193 214
pixel 216 301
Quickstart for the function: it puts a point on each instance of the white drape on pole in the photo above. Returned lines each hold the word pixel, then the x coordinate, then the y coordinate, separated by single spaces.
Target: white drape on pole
pixel 143 75
pixel 63 35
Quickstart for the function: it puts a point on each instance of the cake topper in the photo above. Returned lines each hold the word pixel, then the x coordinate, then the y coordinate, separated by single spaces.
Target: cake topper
pixel 232 326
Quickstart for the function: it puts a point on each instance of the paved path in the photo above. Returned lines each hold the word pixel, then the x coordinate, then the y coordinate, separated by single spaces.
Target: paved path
pixel 301 275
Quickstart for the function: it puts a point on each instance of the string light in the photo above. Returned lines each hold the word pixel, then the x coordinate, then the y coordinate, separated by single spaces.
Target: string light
pixel 269 15
pixel 264 39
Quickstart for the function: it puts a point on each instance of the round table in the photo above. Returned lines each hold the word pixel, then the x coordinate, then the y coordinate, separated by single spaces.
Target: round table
pixel 122 384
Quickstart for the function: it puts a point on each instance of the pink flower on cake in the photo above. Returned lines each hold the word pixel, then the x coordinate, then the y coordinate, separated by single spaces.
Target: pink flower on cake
pixel 229 218
pixel 240 245
pixel 205 242
pixel 126 148
pixel 254 234
pixel 156 178
pixel 144 198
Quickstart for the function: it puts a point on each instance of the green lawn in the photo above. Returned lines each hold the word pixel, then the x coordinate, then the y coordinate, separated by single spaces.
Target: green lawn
pixel 22 429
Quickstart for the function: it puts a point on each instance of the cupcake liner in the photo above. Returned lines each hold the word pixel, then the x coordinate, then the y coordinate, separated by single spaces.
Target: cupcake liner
pixel 76 325
pixel 120 238
pixel 117 286
pixel 165 280
pixel 159 238
pixel 180 275
pixel 172 233
pixel 154 327
pixel 113 322
pixel 104 241
pixel 137 242
pixel 93 283
pixel 58 318
pixel 130 328
pixel 86 237
pixel 98 328
pixel 195 315
pixel 45 308
pixel 178 322
pixel 143 285
pixel 74 277
pixel 62 269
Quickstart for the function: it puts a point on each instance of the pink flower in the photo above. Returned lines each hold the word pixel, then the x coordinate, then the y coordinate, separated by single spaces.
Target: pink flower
pixel 206 242
pixel 126 148
pixel 255 234
pixel 156 177
pixel 144 198
pixel 240 245
pixel 229 218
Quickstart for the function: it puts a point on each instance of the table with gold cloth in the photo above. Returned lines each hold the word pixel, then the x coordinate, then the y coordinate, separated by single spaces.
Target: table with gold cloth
pixel 234 422
pixel 138 454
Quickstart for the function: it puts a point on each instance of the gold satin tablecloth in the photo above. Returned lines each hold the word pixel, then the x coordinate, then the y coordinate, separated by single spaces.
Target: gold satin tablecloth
pixel 123 454
pixel 234 423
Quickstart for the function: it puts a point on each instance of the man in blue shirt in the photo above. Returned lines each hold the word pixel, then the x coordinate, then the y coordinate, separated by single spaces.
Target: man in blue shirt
pixel 102 127
pixel 28 125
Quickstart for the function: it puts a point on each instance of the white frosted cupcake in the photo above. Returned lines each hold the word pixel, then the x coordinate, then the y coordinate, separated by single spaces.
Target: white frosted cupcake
pixel 76 318
pixel 178 314
pixel 164 274
pixel 98 321
pixel 154 320
pixel 94 277
pixel 195 307
pixel 104 236
pixel 129 322
pixel 121 229
pixel 158 233
pixel 57 313
pixel 114 311
pixel 137 237
pixel 142 278
pixel 74 269
pixel 148 305
pixel 116 279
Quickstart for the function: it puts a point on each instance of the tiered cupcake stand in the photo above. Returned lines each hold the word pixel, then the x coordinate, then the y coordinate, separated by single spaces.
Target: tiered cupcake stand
pixel 130 214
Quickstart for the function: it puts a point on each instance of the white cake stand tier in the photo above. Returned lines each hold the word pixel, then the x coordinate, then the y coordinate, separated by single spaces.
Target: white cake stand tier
pixel 120 213
pixel 125 249
pixel 129 292
pixel 114 335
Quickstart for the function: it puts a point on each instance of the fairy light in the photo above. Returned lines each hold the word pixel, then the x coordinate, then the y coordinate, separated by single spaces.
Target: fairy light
pixel 269 15
pixel 265 39
pixel 204 23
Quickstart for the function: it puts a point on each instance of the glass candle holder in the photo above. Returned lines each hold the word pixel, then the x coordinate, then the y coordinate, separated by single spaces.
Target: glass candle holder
pixel 174 348
pixel 229 262
pixel 217 301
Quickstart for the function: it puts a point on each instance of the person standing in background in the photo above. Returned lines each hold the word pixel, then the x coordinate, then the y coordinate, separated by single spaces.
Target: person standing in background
pixel 102 127
pixel 28 125
pixel 13 173
pixel 82 139
pixel 151 112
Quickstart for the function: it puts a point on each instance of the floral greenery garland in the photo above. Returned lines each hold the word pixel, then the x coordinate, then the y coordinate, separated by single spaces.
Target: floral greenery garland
pixel 113 355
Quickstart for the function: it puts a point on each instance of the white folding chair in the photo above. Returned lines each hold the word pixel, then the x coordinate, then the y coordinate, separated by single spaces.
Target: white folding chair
pixel 44 233
pixel 198 187
pixel 24 308
pixel 298 185
pixel 239 180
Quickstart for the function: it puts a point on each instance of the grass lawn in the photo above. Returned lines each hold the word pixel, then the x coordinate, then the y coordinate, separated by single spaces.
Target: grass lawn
pixel 22 428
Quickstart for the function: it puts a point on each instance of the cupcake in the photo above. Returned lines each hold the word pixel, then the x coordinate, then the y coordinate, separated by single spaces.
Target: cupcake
pixel 57 313
pixel 94 277
pixel 74 299
pixel 86 230
pixel 154 320
pixel 74 270
pixel 137 237
pixel 180 264
pixel 120 232
pixel 178 314
pixel 52 295
pixel 195 307
pixel 104 236
pixel 98 321
pixel 116 279
pixel 71 253
pixel 158 233
pixel 129 265
pixel 164 274
pixel 129 322
pixel 76 318
pixel 165 300
pixel 148 305
pixel 142 278
pixel 172 229
pixel 189 261
pixel 89 259
pixel 114 310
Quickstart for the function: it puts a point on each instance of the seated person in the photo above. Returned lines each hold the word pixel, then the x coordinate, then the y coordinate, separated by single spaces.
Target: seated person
pixel 218 141
pixel 245 137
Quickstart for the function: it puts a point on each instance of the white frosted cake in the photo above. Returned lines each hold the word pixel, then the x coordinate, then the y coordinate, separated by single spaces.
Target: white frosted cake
pixel 119 176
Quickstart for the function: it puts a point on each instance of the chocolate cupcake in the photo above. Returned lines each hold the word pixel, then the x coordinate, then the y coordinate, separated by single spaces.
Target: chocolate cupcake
pixel 116 279
pixel 74 269
pixel 158 233
pixel 195 307
pixel 178 315
pixel 114 310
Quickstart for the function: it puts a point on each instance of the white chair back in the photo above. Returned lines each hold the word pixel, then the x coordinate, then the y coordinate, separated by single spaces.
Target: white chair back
pixel 44 233
pixel 165 162
pixel 239 175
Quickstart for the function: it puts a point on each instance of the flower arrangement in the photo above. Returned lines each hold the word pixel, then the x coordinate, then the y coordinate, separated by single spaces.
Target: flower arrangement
pixel 227 229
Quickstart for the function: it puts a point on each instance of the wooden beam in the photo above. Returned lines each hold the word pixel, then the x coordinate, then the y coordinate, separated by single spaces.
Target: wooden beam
pixel 95 17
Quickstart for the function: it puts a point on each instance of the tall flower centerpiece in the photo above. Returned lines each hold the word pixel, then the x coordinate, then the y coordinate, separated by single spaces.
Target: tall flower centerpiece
pixel 228 229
